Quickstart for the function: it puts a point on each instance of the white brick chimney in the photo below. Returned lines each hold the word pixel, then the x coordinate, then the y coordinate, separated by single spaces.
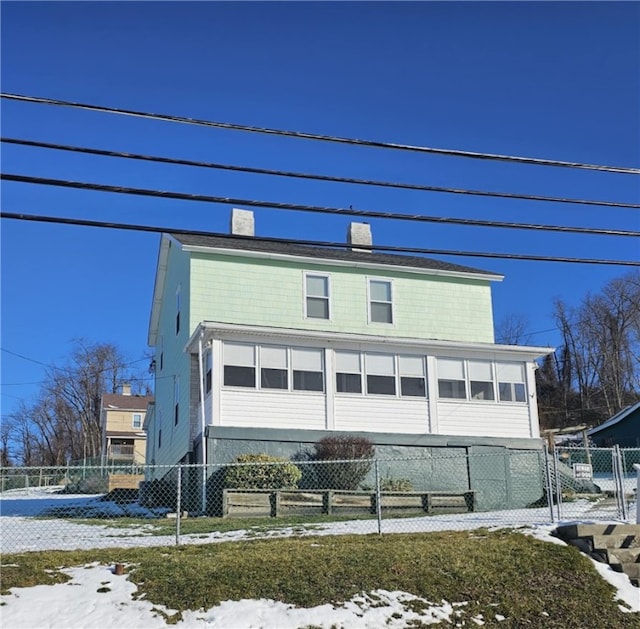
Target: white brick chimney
pixel 242 222
pixel 359 237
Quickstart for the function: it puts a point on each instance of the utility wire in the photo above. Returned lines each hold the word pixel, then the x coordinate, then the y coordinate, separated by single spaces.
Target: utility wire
pixel 184 196
pixel 314 176
pixel 324 138
pixel 231 237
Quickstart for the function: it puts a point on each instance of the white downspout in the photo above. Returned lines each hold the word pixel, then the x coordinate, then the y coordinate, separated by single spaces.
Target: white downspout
pixel 203 446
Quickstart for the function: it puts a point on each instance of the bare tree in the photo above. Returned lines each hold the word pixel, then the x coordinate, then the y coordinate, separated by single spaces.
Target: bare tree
pixel 512 330
pixel 64 422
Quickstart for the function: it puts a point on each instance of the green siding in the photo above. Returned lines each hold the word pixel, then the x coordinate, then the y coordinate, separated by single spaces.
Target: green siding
pixel 257 291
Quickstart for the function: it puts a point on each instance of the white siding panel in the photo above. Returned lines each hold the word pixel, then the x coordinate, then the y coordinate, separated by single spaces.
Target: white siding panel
pixel 376 414
pixel 486 420
pixel 270 409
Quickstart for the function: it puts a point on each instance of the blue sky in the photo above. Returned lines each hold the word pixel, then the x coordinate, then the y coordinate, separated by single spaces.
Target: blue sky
pixel 544 79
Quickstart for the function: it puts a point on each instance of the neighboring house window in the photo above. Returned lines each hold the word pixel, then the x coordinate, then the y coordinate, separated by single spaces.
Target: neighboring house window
pixel 348 372
pixel 451 378
pixel 308 371
pixel 511 382
pixel 176 400
pixel 412 380
pixel 178 308
pixel 239 365
pixel 481 380
pixel 316 296
pixel 381 378
pixel 380 301
pixel 208 367
pixel 159 438
pixel 161 352
pixel 274 371
pixel 137 420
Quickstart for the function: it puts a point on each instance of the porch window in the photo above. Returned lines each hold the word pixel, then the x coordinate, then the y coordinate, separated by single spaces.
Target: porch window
pixel 381 378
pixel 511 382
pixel 239 365
pixel 412 381
pixel 451 378
pixel 274 372
pixel 348 372
pixel 481 380
pixel 308 369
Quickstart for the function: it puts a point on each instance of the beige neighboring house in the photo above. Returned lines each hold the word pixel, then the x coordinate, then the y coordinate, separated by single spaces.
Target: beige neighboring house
pixel 122 420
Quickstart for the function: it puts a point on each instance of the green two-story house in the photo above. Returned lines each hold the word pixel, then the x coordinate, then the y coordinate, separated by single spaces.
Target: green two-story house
pixel 266 346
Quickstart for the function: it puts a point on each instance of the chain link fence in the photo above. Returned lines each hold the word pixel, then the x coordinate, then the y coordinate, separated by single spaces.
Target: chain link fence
pixel 75 507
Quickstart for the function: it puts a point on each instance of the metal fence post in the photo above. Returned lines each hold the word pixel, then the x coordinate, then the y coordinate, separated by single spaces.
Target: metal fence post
pixel 558 484
pixel 178 504
pixel 378 498
pixel 547 477
pixel 619 481
pixel 636 466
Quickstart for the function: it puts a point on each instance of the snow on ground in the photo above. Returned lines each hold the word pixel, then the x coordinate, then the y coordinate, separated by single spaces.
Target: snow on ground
pixel 96 597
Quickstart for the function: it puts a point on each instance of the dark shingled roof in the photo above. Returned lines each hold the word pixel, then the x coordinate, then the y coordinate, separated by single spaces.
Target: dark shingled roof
pixel 326 253
pixel 126 402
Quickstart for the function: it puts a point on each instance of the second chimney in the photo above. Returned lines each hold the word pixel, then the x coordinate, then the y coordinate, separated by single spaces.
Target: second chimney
pixel 242 223
pixel 359 237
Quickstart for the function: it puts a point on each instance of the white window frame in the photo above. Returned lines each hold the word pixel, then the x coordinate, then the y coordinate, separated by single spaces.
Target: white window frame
pixel 307 296
pixel 340 370
pixel 501 381
pixel 371 301
pixel 133 421
pixel 254 365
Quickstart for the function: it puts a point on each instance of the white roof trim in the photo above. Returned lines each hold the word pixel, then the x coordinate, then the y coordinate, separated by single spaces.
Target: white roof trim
pixel 214 329
pixel 348 263
pixel 158 289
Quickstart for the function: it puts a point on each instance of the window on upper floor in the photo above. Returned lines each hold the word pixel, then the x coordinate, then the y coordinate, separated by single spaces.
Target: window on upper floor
pixel 511 382
pixel 451 378
pixel 348 372
pixel 316 288
pixel 239 365
pixel 380 301
pixel 136 421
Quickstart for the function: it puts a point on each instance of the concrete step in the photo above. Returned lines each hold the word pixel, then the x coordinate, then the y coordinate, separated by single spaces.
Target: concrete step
pixel 623 555
pixel 569 531
pixel 619 540
pixel 632 570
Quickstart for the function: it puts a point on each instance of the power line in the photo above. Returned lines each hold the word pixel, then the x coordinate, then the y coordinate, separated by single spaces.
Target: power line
pixel 313 176
pixel 191 232
pixel 184 196
pixel 316 136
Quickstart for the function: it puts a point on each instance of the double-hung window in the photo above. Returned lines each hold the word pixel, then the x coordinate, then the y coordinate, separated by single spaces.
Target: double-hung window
pixel 381 374
pixel 348 372
pixel 308 369
pixel 380 301
pixel 316 296
pixel 137 421
pixel 451 378
pixel 239 365
pixel 274 371
pixel 511 382
pixel 412 381
pixel 481 380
